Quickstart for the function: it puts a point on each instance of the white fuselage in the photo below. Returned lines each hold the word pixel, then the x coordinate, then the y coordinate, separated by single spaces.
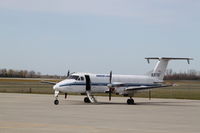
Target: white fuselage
pixel 99 83
pixel 126 85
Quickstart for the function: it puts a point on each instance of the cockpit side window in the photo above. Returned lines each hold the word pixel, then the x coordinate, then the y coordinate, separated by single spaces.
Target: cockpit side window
pixel 82 78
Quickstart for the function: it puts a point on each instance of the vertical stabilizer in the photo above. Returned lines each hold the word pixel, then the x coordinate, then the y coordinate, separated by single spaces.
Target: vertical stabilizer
pixel 161 66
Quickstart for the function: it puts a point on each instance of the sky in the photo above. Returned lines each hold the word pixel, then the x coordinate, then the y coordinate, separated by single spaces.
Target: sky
pixel 52 36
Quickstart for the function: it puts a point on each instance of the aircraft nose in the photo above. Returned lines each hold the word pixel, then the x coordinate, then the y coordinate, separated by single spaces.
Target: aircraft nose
pixel 56 87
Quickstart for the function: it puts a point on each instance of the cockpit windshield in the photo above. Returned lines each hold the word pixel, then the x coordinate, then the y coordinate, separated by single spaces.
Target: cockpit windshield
pixel 73 77
pixel 76 77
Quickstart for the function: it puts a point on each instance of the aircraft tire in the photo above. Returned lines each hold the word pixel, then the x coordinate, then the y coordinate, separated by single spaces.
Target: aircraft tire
pixel 56 102
pixel 86 100
pixel 130 101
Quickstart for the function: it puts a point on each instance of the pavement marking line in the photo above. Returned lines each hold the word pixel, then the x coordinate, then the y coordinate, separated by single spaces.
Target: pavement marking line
pixel 20 125
pixel 13 125
pixel 30 125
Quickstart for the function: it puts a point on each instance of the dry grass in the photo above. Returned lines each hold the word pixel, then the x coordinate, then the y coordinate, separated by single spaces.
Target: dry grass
pixel 25 86
pixel 184 90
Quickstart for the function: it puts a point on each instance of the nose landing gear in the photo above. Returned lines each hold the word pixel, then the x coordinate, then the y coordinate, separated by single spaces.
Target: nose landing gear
pixel 56 102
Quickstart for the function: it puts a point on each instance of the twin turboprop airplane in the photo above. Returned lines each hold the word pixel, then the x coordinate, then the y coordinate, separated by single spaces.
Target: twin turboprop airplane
pixel 125 85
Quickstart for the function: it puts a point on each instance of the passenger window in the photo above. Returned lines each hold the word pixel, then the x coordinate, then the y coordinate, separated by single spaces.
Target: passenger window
pixel 82 78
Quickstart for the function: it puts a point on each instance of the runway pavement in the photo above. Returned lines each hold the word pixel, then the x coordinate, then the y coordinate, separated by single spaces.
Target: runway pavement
pixel 33 113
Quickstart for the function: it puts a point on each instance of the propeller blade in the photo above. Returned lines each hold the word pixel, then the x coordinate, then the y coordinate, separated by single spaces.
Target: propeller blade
pixel 110 88
pixel 110 94
pixel 110 77
pixel 65 95
pixel 68 73
pixel 149 94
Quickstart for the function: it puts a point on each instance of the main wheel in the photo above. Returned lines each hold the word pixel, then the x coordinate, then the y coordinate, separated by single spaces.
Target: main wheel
pixel 86 100
pixel 56 102
pixel 130 101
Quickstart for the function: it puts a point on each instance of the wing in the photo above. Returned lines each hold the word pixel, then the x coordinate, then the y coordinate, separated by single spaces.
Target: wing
pixel 48 82
pixel 134 88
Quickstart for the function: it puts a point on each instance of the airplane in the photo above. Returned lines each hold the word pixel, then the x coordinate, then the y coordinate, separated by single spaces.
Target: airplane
pixel 126 85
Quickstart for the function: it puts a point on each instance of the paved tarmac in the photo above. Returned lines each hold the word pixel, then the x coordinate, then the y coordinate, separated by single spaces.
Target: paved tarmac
pixel 33 113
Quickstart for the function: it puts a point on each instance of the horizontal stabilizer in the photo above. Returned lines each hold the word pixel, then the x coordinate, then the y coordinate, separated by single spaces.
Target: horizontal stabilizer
pixel 161 66
pixel 167 58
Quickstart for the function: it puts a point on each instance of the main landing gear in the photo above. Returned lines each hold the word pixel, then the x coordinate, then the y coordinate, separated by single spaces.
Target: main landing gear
pixel 90 98
pixel 130 101
pixel 87 100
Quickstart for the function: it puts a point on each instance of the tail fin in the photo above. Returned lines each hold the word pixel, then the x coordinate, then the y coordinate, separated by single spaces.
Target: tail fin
pixel 161 66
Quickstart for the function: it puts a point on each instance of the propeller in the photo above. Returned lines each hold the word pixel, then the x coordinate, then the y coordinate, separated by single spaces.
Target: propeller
pixel 110 87
pixel 149 94
pixel 68 73
pixel 65 95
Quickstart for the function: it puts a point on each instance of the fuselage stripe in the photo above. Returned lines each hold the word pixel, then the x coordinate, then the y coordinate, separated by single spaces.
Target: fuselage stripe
pixel 105 84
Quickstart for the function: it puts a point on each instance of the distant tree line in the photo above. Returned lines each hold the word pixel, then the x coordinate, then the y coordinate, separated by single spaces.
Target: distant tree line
pixel 10 73
pixel 170 75
pixel 19 73
pixel 189 75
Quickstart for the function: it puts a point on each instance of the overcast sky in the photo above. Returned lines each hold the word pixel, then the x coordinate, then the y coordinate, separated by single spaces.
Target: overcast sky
pixel 52 36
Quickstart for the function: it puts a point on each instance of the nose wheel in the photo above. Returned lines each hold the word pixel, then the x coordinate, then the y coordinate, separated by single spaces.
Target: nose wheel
pixel 130 101
pixel 56 102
